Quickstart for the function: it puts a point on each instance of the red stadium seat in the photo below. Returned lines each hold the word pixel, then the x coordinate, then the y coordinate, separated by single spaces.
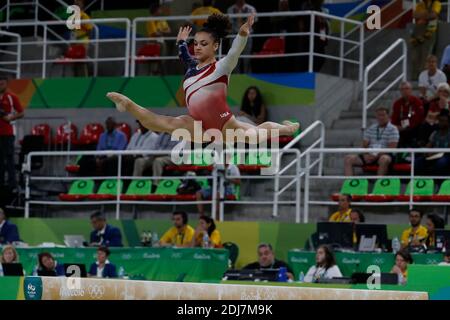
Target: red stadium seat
pixel 74 52
pixel 397 167
pixel 72 168
pixel 275 45
pixel 90 134
pixel 42 129
pixel 149 50
pixel 125 128
pixel 66 133
pixel 187 167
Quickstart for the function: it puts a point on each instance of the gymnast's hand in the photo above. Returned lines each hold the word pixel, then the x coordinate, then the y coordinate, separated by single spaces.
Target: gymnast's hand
pixel 184 32
pixel 244 31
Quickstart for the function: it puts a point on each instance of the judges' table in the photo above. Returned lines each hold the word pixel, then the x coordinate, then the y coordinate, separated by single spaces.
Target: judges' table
pixel 161 264
pixel 350 262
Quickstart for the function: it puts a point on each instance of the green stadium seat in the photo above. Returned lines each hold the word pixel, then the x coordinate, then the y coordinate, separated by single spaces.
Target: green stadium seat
pixel 166 190
pixel 384 190
pixel 443 194
pixel 79 190
pixel 198 163
pixel 137 190
pixel 107 190
pixel 357 188
pixel 192 197
pixel 423 190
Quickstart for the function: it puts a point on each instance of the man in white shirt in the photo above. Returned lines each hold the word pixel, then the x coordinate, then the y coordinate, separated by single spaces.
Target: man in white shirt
pixel 430 78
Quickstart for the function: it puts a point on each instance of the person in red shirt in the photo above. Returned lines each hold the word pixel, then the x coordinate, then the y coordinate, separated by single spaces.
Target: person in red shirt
pixel 10 110
pixel 407 115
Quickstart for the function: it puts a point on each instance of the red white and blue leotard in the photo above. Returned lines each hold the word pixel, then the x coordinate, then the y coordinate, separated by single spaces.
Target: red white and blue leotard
pixel 206 88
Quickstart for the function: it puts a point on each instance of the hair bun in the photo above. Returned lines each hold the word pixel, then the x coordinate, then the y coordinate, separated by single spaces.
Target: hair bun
pixel 218 23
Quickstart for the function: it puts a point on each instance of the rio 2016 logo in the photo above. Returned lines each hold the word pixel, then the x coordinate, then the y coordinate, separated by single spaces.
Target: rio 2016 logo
pixel 73 22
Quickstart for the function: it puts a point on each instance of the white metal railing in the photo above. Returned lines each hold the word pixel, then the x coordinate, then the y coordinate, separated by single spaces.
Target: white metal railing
pixel 297 162
pixel 95 42
pixel 311 34
pixel 218 182
pixel 367 85
pixel 17 53
pixel 340 151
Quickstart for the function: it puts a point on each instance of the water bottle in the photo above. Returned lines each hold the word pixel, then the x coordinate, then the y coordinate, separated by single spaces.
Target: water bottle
pixel 155 239
pixel 395 245
pixel 121 273
pixel 400 279
pixel 301 277
pixel 205 240
pixel 282 275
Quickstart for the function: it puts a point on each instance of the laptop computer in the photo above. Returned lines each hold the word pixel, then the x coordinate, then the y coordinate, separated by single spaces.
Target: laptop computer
pixel 74 241
pixel 12 269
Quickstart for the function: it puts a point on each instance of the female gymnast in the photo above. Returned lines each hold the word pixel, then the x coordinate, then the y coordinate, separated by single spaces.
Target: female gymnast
pixel 205 85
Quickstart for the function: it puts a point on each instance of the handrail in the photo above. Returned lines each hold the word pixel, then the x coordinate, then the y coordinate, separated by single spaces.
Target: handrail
pixel 358 7
pixel 18 54
pixel 366 86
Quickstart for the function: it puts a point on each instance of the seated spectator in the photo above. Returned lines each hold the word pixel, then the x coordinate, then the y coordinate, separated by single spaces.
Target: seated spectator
pixel 143 139
pixel 103 233
pixel 48 266
pixel 325 267
pixel 416 234
pixel 383 134
pixel 242 7
pixel 158 29
pixel 102 268
pixel 253 109
pixel 436 163
pixel 266 260
pixel 82 35
pixel 8 230
pixel 407 115
pixel 446 261
pixel 402 259
pixel 429 79
pixel 433 222
pixel 181 234
pixel 9 255
pixel 423 38
pixel 435 106
pixel 229 187
pixel 206 225
pixel 445 62
pixel 343 213
pixel 356 216
pixel 157 163
pixel 206 10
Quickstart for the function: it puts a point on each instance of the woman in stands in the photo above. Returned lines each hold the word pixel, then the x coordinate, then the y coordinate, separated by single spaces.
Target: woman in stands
pixel 402 259
pixel 325 267
pixel 205 85
pixel 253 110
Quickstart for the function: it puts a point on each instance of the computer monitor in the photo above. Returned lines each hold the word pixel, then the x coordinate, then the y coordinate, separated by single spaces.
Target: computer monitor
pixel 442 239
pixel 71 268
pixel 335 234
pixel 74 241
pixel 369 230
pixel 12 269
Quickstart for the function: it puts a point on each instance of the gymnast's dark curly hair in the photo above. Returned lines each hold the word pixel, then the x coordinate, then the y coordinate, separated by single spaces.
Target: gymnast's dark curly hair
pixel 218 25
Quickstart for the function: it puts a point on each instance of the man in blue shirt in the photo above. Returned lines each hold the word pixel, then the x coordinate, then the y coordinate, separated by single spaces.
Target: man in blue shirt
pixel 110 140
pixel 8 230
pixel 104 234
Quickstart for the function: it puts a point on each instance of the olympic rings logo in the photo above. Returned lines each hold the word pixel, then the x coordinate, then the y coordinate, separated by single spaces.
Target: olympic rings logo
pixel 96 291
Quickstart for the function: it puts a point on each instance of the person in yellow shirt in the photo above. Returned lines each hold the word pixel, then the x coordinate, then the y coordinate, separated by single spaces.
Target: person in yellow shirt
pixel 83 33
pixel 206 10
pixel 416 234
pixel 181 234
pixel 157 28
pixel 343 214
pixel 206 225
pixel 402 259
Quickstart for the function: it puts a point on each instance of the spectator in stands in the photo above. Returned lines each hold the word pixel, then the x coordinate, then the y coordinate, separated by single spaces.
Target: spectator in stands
pixel 181 234
pixel 206 225
pixel 407 115
pixel 8 230
pixel 356 216
pixel 436 163
pixel 9 255
pixel 242 7
pixel 111 140
pixel 253 109
pixel 343 213
pixel 164 142
pixel 102 268
pixel 158 29
pixel 430 79
pixel 82 34
pixel 267 260
pixel 206 10
pixel 416 234
pixel 440 102
pixel 230 184
pixel 10 110
pixel 48 266
pixel 325 267
pixel 383 134
pixel 103 233
pixel 423 38
pixel 446 261
pixel 445 62
pixel 142 140
pixel 402 259
pixel 433 222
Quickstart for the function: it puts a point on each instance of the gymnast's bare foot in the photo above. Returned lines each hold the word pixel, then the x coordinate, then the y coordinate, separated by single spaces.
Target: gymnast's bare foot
pixel 292 126
pixel 121 101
